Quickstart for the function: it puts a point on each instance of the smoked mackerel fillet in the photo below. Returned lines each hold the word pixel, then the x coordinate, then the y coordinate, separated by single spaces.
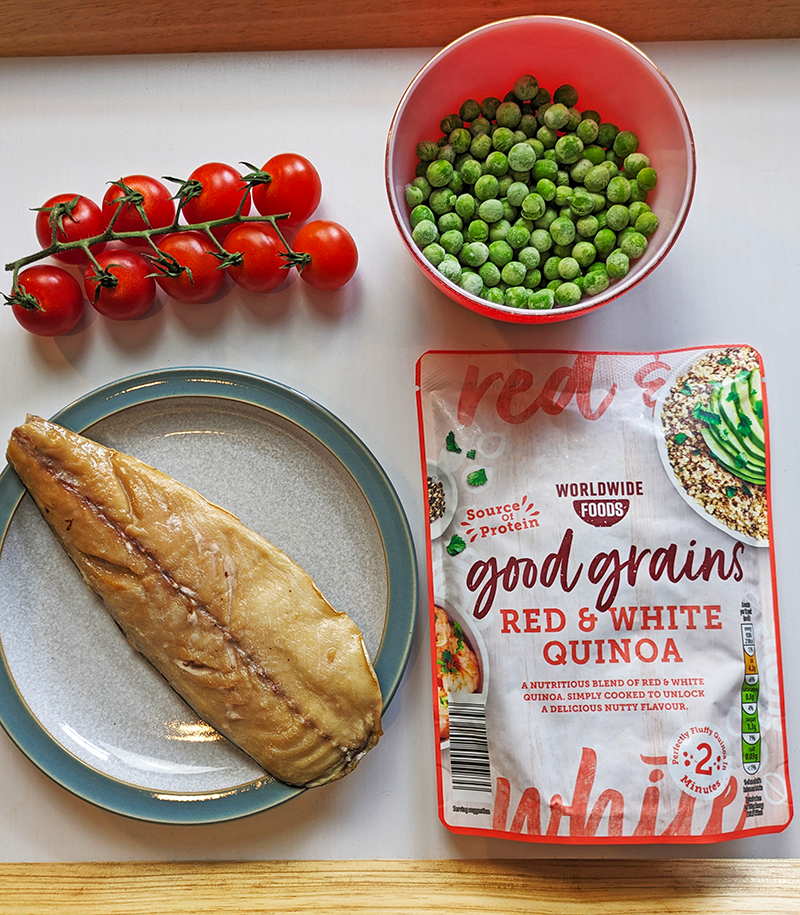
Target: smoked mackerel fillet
pixel 237 628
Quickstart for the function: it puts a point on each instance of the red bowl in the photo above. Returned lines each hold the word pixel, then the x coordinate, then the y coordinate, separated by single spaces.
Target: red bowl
pixel 612 77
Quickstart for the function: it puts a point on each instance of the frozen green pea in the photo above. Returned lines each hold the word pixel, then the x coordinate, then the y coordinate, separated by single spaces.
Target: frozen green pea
pixel 423 185
pixel 513 273
pixel 550 268
pixel 489 107
pixel 420 169
pixel 460 139
pixel 617 264
pixel 618 190
pixel 489 272
pixel 611 167
pixel 508 114
pixel 517 297
pixel 587 130
pixel 634 163
pixel 486 187
pixel 450 220
pixel 634 244
pixel 450 268
pixel 546 189
pixel 605 241
pixel 646 224
pixel 439 173
pixel 547 136
pixel 567 294
pixel 541 239
pixel 427 150
pixel 474 254
pixel 563 194
pixel 554 284
pixel 452 241
pixel 568 149
pixel 617 217
pixel 606 135
pixel 480 126
pixel 442 200
pixel 481 146
pixel 625 143
pixel 556 116
pixel 533 206
pixel 529 257
pixel 414 195
pixel 469 110
pixel 562 178
pixel 587 226
pixel 580 170
pixel 447 154
pixel 470 170
pixel 425 233
pixel 562 250
pixel 599 202
pixel 495 295
pixel 568 268
pixel 647 178
pixel 471 282
pixel 516 193
pixel 584 252
pixel 456 184
pixel 465 206
pixel 612 157
pixel 420 213
pixel 518 237
pixel 449 123
pixel 500 253
pixel 581 202
pixel 491 210
pixel 597 178
pixel 595 282
pixel 636 208
pixel 525 87
pixel 542 300
pixel 545 169
pixel 521 157
pixel 542 111
pixel 433 253
pixel 566 94
pixel 498 231
pixel 562 230
pixel 637 191
pixel 496 164
pixel 503 139
pixel 528 125
pixel 594 153
pixel 478 230
pixel 510 212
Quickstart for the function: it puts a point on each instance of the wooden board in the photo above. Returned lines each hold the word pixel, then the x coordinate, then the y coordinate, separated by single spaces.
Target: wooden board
pixel 49 28
pixel 504 887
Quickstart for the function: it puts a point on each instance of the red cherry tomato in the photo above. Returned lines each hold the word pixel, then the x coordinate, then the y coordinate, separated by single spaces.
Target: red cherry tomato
pixel 332 252
pixel 132 294
pixel 49 302
pixel 223 190
pixel 153 197
pixel 295 188
pixel 74 217
pixel 202 279
pixel 262 268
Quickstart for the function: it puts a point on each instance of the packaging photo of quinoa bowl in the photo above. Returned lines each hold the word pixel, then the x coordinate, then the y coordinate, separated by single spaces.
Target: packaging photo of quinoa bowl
pixel 605 648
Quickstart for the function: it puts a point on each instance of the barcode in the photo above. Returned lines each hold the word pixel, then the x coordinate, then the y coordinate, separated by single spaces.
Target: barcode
pixel 469 748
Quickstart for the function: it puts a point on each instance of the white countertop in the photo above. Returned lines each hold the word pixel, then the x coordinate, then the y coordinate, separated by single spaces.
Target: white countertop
pixel 732 277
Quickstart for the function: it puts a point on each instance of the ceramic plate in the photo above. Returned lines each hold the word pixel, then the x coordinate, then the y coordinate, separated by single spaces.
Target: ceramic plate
pixel 88 710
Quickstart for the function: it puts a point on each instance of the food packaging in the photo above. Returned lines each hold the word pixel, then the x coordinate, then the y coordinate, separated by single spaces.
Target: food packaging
pixel 605 651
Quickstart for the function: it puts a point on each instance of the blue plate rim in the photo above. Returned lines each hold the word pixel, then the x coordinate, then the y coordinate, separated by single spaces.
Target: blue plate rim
pixel 401 562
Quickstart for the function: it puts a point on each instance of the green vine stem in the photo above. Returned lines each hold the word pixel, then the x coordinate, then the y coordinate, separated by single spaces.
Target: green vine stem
pixel 185 192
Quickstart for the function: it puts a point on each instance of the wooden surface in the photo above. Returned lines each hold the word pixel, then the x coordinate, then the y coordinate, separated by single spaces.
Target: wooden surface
pixel 49 28
pixel 559 887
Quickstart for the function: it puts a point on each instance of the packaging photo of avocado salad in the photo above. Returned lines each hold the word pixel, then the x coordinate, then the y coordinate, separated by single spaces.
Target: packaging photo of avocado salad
pixel 605 650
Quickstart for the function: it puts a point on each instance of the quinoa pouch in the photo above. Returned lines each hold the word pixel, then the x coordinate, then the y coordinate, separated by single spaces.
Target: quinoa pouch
pixel 604 631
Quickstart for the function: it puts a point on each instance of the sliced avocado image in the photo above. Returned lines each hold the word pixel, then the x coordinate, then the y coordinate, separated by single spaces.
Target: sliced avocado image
pixel 733 429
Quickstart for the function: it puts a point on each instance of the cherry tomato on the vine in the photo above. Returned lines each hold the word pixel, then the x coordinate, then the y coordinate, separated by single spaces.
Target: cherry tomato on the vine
pixel 222 193
pixel 132 294
pixel 262 268
pixel 295 188
pixel 333 256
pixel 74 217
pixel 150 194
pixel 202 279
pixel 58 304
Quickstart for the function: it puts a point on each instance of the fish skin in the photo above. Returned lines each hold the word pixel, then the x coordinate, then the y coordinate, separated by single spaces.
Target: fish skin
pixel 237 628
